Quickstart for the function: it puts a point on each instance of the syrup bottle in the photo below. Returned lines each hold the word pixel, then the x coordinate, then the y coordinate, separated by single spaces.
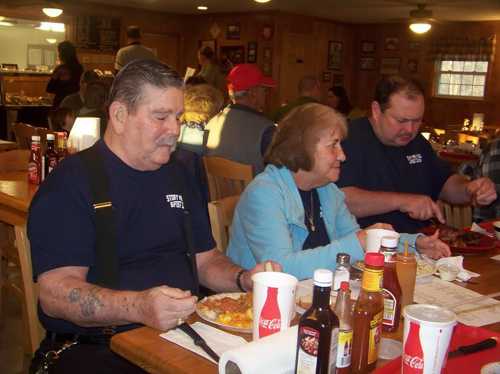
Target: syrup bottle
pixel 318 330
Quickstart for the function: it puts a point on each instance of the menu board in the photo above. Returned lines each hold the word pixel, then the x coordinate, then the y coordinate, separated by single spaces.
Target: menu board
pixel 97 32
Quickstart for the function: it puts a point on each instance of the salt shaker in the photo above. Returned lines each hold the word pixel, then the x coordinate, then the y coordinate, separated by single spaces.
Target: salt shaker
pixel 342 270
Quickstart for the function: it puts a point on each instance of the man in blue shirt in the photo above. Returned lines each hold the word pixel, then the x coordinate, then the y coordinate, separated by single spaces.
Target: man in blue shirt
pixel 391 174
pixel 155 278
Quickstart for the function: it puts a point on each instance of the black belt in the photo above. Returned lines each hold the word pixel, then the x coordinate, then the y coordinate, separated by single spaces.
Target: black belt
pixel 101 339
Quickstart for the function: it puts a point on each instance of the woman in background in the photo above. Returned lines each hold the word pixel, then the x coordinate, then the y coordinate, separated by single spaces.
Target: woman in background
pixel 337 99
pixel 210 69
pixel 65 79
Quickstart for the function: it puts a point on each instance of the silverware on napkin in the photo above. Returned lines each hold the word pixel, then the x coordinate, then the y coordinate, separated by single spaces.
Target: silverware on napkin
pixel 198 340
pixel 468 349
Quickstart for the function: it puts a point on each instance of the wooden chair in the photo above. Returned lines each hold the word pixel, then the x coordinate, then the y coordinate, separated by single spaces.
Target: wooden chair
pixel 16 275
pixel 226 177
pixel 221 216
pixel 457 216
pixel 23 133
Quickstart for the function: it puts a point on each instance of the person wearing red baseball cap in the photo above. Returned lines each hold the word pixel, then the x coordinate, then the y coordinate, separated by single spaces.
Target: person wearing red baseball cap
pixel 241 132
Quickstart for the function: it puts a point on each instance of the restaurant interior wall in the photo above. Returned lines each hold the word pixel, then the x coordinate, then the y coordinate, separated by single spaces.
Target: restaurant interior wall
pixel 440 112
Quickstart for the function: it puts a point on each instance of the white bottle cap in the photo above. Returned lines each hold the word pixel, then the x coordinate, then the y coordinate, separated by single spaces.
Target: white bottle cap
pixel 323 277
pixel 389 242
pixel 35 137
pixel 50 137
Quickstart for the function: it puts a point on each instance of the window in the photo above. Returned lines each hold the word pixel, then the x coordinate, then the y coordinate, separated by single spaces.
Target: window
pixel 461 78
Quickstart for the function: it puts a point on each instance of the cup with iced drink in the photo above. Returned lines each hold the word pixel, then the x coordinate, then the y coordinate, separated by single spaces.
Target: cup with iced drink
pixel 427 334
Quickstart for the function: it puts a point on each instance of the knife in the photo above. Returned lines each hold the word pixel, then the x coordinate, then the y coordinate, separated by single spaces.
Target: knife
pixel 467 349
pixel 198 340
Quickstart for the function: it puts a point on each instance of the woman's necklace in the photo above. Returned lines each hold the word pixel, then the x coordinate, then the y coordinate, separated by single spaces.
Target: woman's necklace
pixel 310 216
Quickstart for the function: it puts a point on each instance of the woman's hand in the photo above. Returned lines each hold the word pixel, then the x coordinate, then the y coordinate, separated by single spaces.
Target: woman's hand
pixel 432 247
pixel 361 234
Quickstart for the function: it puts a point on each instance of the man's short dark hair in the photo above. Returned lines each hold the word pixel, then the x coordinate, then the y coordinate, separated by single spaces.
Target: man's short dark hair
pixel 133 32
pixel 89 76
pixel 389 86
pixel 294 142
pixel 129 83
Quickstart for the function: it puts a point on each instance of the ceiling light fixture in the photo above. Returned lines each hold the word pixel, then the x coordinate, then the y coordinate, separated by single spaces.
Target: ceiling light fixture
pixel 420 27
pixel 262 1
pixel 51 40
pixel 52 12
pixel 51 26
pixel 202 7
pixel 4 23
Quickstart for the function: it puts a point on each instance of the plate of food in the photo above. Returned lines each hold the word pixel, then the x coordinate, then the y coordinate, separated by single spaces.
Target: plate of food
pixel 232 311
pixel 462 241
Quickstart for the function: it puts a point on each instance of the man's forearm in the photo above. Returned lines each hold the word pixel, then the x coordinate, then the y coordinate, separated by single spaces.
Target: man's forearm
pixel 88 305
pixel 217 272
pixel 364 203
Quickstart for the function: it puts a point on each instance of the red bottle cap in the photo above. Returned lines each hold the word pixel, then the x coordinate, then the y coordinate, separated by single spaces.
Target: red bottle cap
pixel 344 286
pixel 374 259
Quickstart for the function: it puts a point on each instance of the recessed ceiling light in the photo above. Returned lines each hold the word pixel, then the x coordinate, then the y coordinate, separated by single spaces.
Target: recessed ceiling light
pixel 262 1
pixel 51 40
pixel 52 12
pixel 202 7
pixel 420 27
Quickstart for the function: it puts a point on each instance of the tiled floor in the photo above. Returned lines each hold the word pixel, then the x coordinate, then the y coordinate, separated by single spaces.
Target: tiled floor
pixel 12 357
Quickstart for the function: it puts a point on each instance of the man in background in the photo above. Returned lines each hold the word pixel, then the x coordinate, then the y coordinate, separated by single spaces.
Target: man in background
pixel 241 132
pixel 75 101
pixel 391 173
pixel 309 92
pixel 134 50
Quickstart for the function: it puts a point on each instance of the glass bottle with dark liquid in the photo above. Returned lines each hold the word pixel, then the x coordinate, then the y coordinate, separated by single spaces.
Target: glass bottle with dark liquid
pixel 318 330
pixel 367 317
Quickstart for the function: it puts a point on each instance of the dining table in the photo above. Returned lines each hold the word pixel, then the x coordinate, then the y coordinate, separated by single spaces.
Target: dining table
pixel 144 346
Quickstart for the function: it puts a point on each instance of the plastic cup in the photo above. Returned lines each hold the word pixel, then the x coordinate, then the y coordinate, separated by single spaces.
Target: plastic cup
pixel 374 238
pixel 426 337
pixel 273 302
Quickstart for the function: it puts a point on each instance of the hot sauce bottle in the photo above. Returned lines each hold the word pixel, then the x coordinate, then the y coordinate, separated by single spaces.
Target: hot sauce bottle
pixel 391 287
pixel 318 330
pixel 367 317
pixel 343 310
pixel 35 161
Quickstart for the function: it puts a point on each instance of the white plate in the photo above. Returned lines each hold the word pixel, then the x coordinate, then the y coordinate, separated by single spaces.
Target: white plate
pixel 233 295
pixel 425 266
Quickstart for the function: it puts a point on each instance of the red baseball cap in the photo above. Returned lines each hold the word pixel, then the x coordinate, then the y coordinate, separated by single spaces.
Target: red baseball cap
pixel 245 76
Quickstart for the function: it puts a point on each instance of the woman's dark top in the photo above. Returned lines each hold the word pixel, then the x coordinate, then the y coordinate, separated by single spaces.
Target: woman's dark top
pixel 65 80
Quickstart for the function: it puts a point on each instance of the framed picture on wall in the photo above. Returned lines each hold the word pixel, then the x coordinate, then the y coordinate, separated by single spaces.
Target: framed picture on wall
pixel 212 43
pixel 252 52
pixel 267 32
pixel 327 76
pixel 233 31
pixel 412 65
pixel 334 55
pixel 391 44
pixel 338 80
pixel 267 68
pixel 267 54
pixel 367 46
pixel 230 56
pixel 389 66
pixel 367 63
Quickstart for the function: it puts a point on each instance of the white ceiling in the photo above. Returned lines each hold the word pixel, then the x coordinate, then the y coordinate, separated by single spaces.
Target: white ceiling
pixel 351 11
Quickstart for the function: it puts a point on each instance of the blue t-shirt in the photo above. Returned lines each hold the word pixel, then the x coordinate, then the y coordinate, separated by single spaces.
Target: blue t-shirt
pixel 371 165
pixel 148 215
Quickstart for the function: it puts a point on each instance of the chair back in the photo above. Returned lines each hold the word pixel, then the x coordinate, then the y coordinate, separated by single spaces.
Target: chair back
pixel 457 216
pixel 226 177
pixel 15 160
pixel 221 216
pixel 23 133
pixel 17 277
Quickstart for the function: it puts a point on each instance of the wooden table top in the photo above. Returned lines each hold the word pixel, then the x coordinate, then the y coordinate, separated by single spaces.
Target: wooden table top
pixel 15 191
pixel 6 145
pixel 145 348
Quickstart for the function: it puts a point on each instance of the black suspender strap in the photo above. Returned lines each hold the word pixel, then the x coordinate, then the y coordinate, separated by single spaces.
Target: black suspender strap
pixel 188 233
pixel 106 251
